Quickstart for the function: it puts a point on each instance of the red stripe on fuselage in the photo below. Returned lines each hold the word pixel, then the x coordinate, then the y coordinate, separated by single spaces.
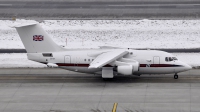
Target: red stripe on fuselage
pixel 67 64
pixel 77 65
pixel 159 65
pixel 141 65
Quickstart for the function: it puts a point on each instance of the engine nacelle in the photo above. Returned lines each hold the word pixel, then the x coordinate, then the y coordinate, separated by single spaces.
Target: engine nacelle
pixel 128 69
pixel 125 70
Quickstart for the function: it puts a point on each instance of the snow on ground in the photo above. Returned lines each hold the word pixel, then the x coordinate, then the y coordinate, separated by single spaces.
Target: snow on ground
pixel 120 33
pixel 189 58
pixel 14 60
pixel 20 60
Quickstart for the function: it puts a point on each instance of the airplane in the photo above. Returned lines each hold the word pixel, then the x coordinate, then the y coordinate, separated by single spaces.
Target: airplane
pixel 108 62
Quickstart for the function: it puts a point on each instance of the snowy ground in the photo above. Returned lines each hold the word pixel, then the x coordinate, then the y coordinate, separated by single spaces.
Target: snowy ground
pixel 20 60
pixel 120 33
pixel 14 60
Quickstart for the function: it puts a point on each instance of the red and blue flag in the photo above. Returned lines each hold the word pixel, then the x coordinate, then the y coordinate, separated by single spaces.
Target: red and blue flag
pixel 38 38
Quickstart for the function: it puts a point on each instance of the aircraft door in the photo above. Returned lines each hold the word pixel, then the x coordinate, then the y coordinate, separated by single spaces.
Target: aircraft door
pixel 76 61
pixel 67 59
pixel 156 60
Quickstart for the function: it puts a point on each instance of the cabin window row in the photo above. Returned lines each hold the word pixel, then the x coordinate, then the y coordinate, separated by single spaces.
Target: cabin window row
pixel 47 54
pixel 170 58
pixel 88 59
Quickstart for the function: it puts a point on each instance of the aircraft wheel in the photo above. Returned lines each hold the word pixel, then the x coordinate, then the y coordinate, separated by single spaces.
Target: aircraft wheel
pixel 107 79
pixel 175 76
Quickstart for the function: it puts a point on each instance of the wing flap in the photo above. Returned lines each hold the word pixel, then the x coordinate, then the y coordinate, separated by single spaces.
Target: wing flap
pixel 106 58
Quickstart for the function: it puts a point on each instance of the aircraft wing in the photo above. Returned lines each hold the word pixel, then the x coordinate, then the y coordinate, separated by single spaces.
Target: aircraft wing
pixel 109 47
pixel 106 58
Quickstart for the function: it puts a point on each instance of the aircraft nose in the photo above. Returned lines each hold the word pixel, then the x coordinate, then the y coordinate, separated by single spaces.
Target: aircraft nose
pixel 187 67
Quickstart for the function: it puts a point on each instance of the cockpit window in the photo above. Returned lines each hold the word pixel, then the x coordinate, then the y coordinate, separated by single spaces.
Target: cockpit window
pixel 170 59
pixel 174 58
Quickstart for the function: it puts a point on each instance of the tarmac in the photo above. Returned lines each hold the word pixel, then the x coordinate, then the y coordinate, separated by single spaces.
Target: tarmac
pixel 99 9
pixel 58 90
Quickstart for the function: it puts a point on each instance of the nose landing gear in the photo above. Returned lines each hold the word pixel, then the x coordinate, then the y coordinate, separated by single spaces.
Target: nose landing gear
pixel 175 76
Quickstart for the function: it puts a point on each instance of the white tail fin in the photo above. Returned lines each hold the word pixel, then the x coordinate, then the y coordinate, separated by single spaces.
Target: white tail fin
pixel 35 39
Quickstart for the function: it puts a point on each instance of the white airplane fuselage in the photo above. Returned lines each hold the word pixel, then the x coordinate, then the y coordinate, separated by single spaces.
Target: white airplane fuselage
pixel 150 61
pixel 41 48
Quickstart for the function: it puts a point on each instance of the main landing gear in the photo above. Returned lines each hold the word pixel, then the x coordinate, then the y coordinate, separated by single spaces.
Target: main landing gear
pixel 175 76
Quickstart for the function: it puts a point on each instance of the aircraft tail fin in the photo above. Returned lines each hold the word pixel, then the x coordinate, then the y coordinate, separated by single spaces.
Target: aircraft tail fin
pixel 35 39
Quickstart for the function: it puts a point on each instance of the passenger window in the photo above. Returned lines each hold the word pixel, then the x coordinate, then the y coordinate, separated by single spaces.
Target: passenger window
pixel 47 54
pixel 88 59
pixel 85 60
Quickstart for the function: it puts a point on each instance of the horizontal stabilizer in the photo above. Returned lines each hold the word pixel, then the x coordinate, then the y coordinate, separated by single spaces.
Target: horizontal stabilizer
pixel 24 24
pixel 52 65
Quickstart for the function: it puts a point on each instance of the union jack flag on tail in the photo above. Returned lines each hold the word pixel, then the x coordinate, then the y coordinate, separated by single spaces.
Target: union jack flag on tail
pixel 38 38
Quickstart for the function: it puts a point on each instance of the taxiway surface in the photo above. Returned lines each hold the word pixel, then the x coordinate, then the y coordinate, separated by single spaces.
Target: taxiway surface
pixel 57 90
pixel 100 9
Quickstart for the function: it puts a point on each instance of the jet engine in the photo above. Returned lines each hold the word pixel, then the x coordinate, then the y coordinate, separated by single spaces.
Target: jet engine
pixel 128 69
